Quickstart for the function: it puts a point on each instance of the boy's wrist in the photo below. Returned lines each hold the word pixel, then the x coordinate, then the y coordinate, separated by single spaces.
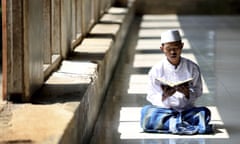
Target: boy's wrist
pixel 191 90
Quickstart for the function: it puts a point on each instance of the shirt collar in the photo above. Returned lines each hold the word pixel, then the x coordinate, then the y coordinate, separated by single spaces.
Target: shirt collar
pixel 173 67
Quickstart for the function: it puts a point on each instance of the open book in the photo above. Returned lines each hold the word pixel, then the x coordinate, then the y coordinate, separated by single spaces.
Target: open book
pixel 173 84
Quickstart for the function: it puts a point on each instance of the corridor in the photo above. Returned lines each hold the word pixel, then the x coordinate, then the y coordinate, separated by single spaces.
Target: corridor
pixel 211 41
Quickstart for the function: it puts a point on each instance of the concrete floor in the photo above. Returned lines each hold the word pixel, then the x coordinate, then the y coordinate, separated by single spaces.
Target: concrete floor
pixel 212 41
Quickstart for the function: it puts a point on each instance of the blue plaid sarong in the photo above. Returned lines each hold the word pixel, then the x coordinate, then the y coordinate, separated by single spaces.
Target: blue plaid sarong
pixel 163 120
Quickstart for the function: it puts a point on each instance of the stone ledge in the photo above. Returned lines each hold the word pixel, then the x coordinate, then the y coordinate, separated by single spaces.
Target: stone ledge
pixel 54 105
pixel 112 18
pixel 94 49
pixel 104 30
pixel 69 83
pixel 93 98
pixel 67 106
pixel 37 123
pixel 92 53
pixel 118 10
pixel 96 41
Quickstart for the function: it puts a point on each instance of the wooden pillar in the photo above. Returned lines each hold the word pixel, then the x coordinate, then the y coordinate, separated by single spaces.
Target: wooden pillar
pixel 12 49
pixel 56 26
pixel 33 55
pixel 79 17
pixel 47 31
pixel 22 48
pixel 4 49
pixel 66 27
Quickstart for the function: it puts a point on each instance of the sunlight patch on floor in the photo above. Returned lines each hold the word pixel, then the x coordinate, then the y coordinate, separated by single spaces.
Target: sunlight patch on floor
pixel 129 126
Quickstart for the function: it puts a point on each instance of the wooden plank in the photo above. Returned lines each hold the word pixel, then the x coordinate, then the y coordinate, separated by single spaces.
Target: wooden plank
pixel 4 49
pixel 79 16
pixel 15 49
pixel 47 31
pixel 66 27
pixel 56 26
pixel 74 20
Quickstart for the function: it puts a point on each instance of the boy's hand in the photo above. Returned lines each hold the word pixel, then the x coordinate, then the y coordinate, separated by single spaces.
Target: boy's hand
pixel 183 89
pixel 167 91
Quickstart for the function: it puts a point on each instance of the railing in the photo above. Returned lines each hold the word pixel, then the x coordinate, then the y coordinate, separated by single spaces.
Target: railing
pixel 37 35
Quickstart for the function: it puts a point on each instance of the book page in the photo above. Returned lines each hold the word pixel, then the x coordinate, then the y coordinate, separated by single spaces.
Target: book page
pixel 173 84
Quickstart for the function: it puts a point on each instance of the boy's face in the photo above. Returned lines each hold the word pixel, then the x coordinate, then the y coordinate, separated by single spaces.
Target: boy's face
pixel 172 51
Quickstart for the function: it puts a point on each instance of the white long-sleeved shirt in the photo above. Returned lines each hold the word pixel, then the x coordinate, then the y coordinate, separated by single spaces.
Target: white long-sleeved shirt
pixel 165 70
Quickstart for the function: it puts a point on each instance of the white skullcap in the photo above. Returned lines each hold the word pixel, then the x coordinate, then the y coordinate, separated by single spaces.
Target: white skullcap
pixel 170 36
